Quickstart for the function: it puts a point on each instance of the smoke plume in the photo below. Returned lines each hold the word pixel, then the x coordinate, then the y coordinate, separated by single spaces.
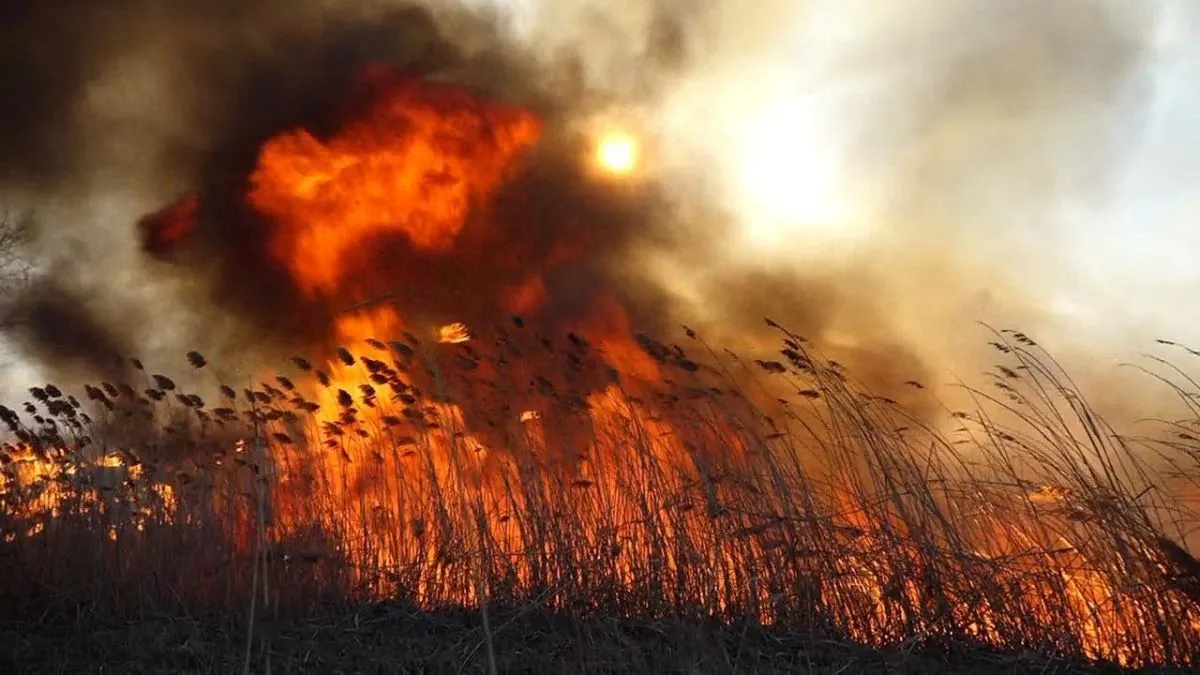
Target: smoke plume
pixel 875 178
pixel 919 167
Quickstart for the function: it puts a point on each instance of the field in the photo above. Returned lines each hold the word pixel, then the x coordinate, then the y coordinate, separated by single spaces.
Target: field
pixel 507 502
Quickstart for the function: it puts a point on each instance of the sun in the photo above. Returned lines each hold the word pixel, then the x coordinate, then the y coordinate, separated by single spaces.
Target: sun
pixel 618 153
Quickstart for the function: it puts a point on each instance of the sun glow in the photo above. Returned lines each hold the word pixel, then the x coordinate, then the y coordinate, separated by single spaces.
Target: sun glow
pixel 787 177
pixel 618 153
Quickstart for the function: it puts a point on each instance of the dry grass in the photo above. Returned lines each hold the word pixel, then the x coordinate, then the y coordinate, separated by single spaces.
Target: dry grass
pixel 701 505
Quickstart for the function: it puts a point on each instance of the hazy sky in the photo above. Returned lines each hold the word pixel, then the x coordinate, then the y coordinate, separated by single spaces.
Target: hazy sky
pixel 1021 162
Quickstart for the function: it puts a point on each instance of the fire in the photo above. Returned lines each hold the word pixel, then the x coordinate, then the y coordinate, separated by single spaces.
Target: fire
pixel 38 486
pixel 454 333
pixel 417 162
pixel 163 230
pixel 393 493
pixel 422 161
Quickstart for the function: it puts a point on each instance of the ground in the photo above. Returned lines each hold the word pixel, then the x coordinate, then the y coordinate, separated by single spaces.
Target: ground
pixel 396 639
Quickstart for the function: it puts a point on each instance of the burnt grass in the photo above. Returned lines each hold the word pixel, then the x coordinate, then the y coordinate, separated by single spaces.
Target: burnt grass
pixel 394 638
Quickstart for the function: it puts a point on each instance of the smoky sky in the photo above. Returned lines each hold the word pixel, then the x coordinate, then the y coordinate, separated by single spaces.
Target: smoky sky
pixel 224 76
pixel 956 130
pixel 235 73
pixel 45 59
pixel 945 162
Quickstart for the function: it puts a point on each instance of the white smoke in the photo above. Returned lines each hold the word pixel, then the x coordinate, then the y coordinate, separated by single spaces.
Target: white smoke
pixel 1024 163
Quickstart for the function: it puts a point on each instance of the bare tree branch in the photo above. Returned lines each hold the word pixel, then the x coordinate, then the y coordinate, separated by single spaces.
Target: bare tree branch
pixel 16 265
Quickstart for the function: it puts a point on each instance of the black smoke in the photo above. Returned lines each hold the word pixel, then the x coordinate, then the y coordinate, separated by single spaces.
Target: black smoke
pixel 238 72
pixel 59 328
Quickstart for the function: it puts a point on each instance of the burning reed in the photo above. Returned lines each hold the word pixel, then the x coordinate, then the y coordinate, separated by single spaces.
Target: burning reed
pixel 493 468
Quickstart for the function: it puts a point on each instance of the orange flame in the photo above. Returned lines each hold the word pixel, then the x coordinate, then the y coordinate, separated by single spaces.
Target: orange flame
pixel 416 163
pixel 163 230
